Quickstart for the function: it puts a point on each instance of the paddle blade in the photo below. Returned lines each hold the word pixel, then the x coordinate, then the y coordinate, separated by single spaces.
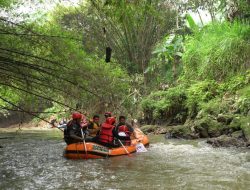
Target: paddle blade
pixel 140 148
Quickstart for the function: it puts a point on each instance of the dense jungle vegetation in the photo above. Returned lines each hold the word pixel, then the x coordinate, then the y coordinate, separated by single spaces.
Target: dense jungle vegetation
pixel 164 62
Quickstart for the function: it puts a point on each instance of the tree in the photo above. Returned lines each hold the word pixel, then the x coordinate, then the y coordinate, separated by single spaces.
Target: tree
pixel 47 62
pixel 130 28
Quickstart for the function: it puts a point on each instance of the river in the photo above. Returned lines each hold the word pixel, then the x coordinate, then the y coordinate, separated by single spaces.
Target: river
pixel 34 160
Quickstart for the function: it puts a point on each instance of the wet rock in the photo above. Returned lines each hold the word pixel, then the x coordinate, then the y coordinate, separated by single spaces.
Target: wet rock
pixel 183 132
pixel 208 127
pixel 149 128
pixel 161 130
pixel 237 134
pixel 241 123
pixel 245 125
pixel 226 141
pixel 226 119
pixel 235 125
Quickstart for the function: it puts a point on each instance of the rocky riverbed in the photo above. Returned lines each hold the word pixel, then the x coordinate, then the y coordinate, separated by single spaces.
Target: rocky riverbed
pixel 220 131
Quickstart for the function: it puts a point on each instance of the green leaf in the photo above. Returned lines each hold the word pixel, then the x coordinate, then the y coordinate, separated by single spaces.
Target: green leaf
pixel 191 23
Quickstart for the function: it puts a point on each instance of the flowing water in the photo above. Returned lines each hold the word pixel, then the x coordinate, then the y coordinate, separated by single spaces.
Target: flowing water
pixel 33 160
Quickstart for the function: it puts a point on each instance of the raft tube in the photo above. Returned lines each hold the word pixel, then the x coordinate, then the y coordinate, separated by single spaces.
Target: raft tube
pixel 95 151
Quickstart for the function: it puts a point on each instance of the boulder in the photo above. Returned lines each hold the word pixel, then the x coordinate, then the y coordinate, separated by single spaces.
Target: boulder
pixel 208 127
pixel 181 131
pixel 226 141
pixel 237 134
pixel 149 128
pixel 235 125
pixel 161 130
pixel 245 126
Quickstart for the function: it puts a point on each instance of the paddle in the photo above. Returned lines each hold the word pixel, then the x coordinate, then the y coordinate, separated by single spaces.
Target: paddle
pixel 124 147
pixel 84 142
pixel 140 148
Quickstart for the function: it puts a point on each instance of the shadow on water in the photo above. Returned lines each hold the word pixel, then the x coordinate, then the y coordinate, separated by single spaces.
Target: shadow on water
pixel 33 160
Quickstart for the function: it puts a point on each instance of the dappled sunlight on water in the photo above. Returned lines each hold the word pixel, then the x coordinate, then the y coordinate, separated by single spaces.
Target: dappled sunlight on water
pixel 35 161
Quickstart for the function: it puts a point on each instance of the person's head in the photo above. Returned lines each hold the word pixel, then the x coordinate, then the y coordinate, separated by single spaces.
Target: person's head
pixel 110 120
pixel 107 114
pixel 122 119
pixel 76 116
pixel 96 118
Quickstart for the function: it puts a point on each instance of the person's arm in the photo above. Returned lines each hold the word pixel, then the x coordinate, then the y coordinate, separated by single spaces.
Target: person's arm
pixel 91 125
pixel 130 128
pixel 115 133
pixel 74 136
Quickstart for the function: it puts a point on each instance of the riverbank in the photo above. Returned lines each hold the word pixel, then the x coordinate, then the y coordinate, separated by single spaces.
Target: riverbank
pixel 27 126
pixel 218 111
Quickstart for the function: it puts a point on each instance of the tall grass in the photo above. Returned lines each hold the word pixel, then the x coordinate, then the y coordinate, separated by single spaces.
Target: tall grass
pixel 217 52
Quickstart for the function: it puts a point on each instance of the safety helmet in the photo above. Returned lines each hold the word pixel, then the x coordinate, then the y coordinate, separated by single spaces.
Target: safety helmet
pixel 77 115
pixel 107 114
pixel 110 120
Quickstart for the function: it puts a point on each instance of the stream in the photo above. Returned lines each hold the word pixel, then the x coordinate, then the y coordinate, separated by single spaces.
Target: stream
pixel 34 160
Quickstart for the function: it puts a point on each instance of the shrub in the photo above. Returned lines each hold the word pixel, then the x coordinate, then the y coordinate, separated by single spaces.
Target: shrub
pixel 217 52
pixel 198 93
pixel 243 102
pixel 164 104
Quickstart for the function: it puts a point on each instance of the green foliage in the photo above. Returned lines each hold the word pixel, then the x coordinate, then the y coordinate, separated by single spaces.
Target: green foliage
pixel 243 101
pixel 245 126
pixel 49 61
pixel 163 103
pixel 171 46
pixel 191 23
pixel 60 57
pixel 7 3
pixel 214 106
pixel 204 95
pixel 167 61
pixel 12 95
pixel 234 83
pixel 219 51
pixel 199 93
pixel 130 28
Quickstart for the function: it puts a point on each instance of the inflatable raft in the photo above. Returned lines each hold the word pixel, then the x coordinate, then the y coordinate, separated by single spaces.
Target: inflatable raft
pixel 93 150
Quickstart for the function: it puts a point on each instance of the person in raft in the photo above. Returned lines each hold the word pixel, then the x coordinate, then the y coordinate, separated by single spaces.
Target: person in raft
pixel 107 114
pixel 123 131
pixel 94 126
pixel 72 134
pixel 106 134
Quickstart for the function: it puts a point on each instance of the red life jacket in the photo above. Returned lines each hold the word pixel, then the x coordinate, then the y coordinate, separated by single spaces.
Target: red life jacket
pixel 125 139
pixel 106 133
pixel 125 129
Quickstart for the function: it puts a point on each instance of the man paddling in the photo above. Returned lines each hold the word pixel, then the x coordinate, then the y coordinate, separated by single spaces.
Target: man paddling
pixel 123 131
pixel 107 114
pixel 72 134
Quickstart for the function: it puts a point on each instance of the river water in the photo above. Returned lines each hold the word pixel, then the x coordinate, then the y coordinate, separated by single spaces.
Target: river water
pixel 33 160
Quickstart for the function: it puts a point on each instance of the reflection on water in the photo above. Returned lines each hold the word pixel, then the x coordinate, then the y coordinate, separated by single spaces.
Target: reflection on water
pixel 35 161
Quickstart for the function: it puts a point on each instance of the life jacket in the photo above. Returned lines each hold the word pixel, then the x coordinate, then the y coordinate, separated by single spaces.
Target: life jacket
pixel 106 133
pixel 125 132
pixel 124 129
pixel 93 129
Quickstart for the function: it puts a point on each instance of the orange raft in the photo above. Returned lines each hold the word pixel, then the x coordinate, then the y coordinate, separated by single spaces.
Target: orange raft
pixel 95 151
